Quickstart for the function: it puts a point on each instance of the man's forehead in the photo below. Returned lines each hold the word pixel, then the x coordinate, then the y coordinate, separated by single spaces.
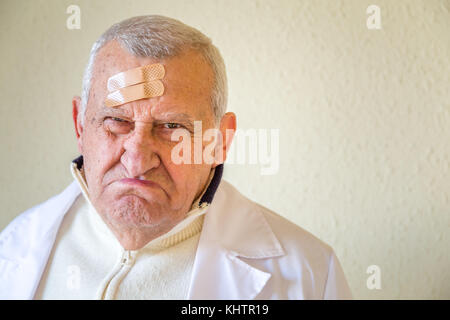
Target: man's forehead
pixel 188 65
pixel 187 82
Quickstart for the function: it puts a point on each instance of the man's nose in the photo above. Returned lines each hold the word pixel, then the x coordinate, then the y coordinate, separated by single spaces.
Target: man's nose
pixel 140 153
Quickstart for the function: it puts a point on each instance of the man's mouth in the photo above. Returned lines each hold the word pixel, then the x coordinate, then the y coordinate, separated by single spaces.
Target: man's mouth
pixel 139 182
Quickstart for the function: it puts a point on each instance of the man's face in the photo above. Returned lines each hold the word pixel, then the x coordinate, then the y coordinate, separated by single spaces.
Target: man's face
pixel 132 180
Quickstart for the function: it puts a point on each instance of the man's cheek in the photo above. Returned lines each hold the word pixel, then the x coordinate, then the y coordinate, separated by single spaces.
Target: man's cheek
pixel 182 176
pixel 105 143
pixel 103 155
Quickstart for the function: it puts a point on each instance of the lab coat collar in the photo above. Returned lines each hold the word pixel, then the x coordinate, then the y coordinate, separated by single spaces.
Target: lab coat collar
pixel 227 236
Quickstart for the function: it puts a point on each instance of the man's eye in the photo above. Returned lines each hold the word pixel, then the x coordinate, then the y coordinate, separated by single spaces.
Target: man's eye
pixel 172 125
pixel 117 125
pixel 118 119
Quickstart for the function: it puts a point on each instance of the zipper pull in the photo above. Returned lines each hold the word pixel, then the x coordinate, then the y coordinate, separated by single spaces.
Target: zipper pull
pixel 125 257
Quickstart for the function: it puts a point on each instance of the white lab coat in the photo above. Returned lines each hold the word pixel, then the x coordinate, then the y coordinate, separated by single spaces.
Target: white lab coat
pixel 245 252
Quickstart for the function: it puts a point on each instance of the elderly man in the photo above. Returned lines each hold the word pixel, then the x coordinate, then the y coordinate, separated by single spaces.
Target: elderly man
pixel 135 224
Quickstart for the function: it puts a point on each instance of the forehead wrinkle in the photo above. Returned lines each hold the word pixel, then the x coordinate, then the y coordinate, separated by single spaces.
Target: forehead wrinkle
pixel 115 111
pixel 171 115
pixel 138 108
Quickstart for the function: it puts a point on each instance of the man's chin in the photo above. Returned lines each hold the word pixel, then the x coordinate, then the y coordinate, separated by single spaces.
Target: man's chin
pixel 134 211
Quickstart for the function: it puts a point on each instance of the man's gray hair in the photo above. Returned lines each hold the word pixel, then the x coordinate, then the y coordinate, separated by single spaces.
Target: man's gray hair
pixel 161 37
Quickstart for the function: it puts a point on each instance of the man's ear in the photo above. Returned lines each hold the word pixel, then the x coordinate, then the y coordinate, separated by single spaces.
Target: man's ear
pixel 227 130
pixel 76 115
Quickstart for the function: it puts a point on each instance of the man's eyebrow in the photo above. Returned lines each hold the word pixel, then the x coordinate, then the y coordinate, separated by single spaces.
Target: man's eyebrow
pixel 181 117
pixel 108 111
pixel 174 116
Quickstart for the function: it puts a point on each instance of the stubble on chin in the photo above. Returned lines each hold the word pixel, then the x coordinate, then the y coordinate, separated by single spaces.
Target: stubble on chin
pixel 131 211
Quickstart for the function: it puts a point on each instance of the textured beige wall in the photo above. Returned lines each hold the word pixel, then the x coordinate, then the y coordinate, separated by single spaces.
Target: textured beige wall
pixel 364 118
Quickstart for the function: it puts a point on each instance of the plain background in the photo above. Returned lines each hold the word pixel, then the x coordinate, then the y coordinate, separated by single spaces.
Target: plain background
pixel 363 118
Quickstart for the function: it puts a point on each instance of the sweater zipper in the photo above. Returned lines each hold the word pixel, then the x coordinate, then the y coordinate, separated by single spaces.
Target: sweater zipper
pixel 113 280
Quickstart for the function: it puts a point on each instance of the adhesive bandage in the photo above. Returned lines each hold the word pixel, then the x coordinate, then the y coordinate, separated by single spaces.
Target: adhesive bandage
pixel 144 90
pixel 138 83
pixel 134 76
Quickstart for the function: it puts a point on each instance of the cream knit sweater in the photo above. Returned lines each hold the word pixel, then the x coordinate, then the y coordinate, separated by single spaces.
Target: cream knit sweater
pixel 88 262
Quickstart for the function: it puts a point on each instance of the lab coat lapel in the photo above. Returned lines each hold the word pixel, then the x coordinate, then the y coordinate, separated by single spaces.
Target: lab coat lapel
pixel 233 228
pixel 25 249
